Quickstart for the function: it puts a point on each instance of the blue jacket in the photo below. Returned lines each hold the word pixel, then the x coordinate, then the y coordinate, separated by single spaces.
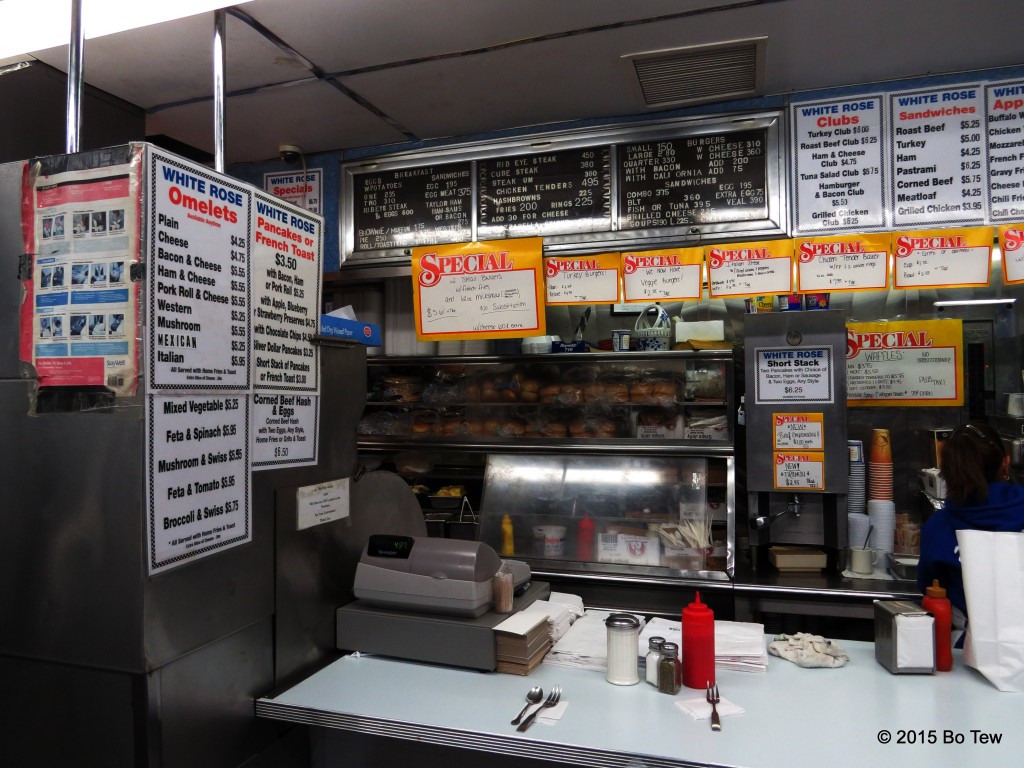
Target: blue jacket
pixel 940 555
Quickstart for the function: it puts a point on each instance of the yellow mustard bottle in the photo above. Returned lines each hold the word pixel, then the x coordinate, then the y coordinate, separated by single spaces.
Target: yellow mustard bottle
pixel 508 546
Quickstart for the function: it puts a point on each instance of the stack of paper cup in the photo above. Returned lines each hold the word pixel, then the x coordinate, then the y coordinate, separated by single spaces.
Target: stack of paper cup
pixel 882 515
pixel 857 488
pixel 857 527
pixel 880 466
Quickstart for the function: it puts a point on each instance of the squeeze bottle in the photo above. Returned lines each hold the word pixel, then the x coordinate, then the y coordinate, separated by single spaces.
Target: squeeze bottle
pixel 937 604
pixel 698 645
pixel 508 546
pixel 585 539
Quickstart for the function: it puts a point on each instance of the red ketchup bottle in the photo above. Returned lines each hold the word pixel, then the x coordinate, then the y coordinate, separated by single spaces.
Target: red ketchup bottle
pixel 585 539
pixel 698 645
pixel 937 604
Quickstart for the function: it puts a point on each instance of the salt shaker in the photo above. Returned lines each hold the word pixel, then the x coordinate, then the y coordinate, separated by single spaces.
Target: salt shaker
pixel 653 659
pixel 623 649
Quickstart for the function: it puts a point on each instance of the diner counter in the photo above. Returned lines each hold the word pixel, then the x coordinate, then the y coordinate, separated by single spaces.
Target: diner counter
pixel 858 715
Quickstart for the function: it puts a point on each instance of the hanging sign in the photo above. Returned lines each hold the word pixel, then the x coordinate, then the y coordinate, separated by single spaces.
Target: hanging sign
pixel 799 431
pixel 942 258
pixel 198 477
pixel 939 168
pixel 1004 132
pixel 666 275
pixel 487 290
pixel 302 189
pixel 915 362
pixel 750 269
pixel 803 471
pixel 583 279
pixel 1011 244
pixel 843 263
pixel 198 275
pixel 838 171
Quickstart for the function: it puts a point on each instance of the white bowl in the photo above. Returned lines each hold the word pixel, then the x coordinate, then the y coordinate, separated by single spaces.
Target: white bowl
pixel 549 532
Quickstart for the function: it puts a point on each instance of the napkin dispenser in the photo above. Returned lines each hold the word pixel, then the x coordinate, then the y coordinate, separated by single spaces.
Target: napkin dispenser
pixel 904 637
pixel 430 575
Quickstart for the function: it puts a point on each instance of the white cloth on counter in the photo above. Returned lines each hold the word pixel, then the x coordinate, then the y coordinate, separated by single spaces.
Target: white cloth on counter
pixel 809 651
pixel 700 709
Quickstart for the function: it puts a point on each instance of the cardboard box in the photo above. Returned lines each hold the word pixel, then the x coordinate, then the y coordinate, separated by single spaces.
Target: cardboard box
pixel 350 330
pixel 932 482
pixel 904 637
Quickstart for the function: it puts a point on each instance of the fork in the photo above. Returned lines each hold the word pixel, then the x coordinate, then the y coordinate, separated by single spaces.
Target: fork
pixel 713 699
pixel 550 701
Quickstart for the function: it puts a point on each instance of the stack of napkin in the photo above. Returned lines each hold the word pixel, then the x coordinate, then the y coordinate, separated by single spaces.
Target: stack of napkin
pixel 738 644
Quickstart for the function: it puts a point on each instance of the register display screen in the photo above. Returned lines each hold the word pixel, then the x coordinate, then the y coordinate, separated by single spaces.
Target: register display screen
pixel 380 545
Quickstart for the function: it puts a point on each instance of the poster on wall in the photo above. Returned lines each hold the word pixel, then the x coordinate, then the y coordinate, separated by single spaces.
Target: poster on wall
pixel 303 189
pixel 665 275
pixel 838 169
pixel 905 363
pixel 198 278
pixel 489 290
pixel 80 309
pixel 198 490
pixel 788 375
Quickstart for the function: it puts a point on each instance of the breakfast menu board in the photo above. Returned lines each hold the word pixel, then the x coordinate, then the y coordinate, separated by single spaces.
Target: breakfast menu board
pixel 490 290
pixel 838 169
pixel 707 179
pixel 548 193
pixel 198 277
pixel 409 207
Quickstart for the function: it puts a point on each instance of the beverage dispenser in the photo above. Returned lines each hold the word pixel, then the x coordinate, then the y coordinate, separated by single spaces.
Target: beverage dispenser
pixel 797 452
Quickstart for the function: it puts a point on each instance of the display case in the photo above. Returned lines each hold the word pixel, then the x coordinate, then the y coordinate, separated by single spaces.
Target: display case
pixel 634 515
pixel 656 401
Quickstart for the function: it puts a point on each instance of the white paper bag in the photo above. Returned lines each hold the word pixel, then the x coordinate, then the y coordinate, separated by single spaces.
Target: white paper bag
pixel 993 568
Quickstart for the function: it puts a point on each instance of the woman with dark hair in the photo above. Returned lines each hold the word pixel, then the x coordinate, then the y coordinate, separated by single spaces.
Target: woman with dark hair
pixel 979 496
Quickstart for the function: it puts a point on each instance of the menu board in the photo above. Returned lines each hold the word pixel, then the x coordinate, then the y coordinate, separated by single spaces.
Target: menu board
pixel 838 172
pixel 787 375
pixel 917 363
pixel 708 179
pixel 799 471
pixel 942 258
pixel 198 299
pixel 197 481
pixel 798 431
pixel 939 166
pixel 843 263
pixel 412 206
pixel 750 269
pixel 1004 127
pixel 666 275
pixel 548 193
pixel 590 279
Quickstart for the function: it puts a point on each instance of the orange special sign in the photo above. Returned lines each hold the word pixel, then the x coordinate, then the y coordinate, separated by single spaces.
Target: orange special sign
pixel 485 290
pixel 804 471
pixel 583 279
pixel 1011 243
pixel 843 263
pixel 750 269
pixel 942 258
pixel 664 275
pixel 799 431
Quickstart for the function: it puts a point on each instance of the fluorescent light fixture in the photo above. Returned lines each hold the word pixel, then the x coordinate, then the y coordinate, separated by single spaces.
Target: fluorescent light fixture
pixel 973 303
pixel 35 25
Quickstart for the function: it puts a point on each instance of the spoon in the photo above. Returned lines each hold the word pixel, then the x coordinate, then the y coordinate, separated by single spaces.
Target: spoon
pixel 533 697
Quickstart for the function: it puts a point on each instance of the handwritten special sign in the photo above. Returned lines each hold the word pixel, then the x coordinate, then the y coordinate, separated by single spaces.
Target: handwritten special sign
pixel 799 471
pixel 1011 243
pixel 915 362
pixel 799 431
pixel 750 269
pixel 489 290
pixel 843 263
pixel 666 275
pixel 583 279
pixel 942 258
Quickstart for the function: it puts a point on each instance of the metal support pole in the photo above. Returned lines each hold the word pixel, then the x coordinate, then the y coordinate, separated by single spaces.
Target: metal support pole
pixel 76 52
pixel 219 63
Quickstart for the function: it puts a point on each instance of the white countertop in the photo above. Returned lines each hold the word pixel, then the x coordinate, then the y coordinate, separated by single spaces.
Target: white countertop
pixel 794 717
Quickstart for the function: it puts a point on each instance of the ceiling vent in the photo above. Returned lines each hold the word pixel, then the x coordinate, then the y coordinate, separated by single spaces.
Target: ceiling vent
pixel 700 73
